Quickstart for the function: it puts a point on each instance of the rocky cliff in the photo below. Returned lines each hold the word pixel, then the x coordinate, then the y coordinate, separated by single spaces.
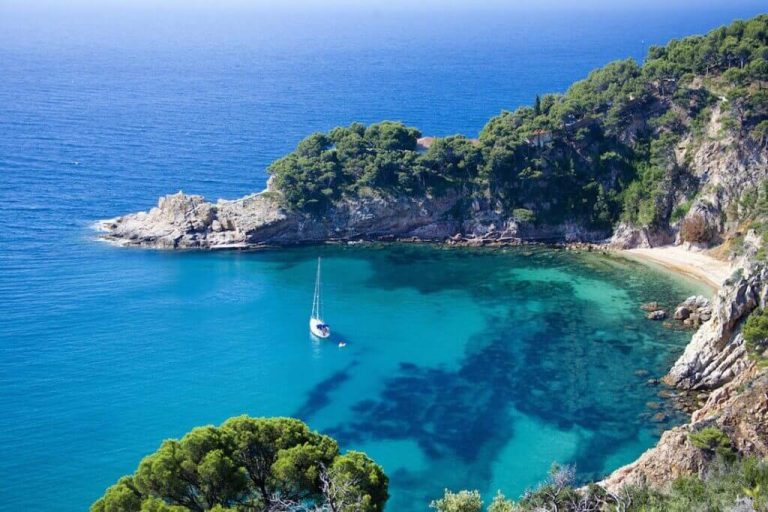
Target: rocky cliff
pixel 717 352
pixel 716 360
pixel 188 222
pixel 719 170
pixel 739 409
pixel 182 221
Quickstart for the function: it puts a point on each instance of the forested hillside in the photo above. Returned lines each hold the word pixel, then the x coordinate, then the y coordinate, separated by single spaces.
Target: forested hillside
pixel 605 151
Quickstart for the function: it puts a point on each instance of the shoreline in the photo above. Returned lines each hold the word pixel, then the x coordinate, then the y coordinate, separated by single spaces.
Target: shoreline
pixel 675 258
pixel 698 266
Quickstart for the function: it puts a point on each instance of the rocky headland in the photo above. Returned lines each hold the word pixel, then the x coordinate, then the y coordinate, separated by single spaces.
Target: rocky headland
pixel 631 158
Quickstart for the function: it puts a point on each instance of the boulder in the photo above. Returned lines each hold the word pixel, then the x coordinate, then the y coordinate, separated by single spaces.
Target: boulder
pixel 693 311
pixel 659 314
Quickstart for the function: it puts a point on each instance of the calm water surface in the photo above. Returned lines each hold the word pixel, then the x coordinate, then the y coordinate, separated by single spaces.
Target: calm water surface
pixel 464 368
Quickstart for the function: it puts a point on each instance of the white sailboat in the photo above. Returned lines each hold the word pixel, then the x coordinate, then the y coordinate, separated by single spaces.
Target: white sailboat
pixel 316 324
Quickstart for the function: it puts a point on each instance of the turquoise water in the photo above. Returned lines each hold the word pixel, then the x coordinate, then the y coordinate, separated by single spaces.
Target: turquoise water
pixel 463 369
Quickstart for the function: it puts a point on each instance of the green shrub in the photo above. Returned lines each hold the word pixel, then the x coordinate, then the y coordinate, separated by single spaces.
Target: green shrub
pixel 462 501
pixel 744 481
pixel 243 465
pixel 755 329
pixel 714 441
pixel 680 211
pixel 524 215
pixel 755 332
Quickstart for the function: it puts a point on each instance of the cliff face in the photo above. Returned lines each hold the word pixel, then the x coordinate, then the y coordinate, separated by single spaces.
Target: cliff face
pixel 189 222
pixel 716 360
pixel 739 409
pixel 720 170
pixel 183 221
pixel 717 353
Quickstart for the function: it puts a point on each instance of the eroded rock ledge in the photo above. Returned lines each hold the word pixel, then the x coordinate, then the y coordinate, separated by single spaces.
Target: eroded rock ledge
pixel 182 221
pixel 716 359
pixel 739 408
pixel 717 353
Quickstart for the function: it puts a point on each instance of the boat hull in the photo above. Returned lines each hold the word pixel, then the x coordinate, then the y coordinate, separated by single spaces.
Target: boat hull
pixel 319 329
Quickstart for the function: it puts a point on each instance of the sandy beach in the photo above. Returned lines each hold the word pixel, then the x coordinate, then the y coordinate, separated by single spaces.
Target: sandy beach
pixel 698 265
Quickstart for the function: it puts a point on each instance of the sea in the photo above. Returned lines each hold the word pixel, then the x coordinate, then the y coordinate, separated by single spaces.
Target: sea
pixel 463 368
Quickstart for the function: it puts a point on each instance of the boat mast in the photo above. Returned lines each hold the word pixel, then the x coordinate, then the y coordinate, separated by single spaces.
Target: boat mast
pixel 316 300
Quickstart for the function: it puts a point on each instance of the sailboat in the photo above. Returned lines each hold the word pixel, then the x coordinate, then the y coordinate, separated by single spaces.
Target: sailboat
pixel 316 324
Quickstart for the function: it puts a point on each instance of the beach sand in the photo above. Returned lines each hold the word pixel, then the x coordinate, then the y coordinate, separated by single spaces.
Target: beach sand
pixel 698 265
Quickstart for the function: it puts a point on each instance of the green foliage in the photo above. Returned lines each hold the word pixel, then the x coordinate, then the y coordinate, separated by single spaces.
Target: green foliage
pixel 741 481
pixel 755 332
pixel 382 157
pixel 601 152
pixel 392 136
pixel 463 501
pixel 501 504
pixel 360 484
pixel 680 211
pixel 714 441
pixel 524 215
pixel 755 329
pixel 760 132
pixel 249 463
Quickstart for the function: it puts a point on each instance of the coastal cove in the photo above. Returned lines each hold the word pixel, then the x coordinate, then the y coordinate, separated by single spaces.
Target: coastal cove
pixel 463 366
pixel 474 354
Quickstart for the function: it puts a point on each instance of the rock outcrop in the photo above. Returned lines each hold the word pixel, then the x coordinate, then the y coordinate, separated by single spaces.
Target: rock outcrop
pixel 188 221
pixel 693 311
pixel 626 236
pixel 717 352
pixel 181 221
pixel 739 409
pixel 716 360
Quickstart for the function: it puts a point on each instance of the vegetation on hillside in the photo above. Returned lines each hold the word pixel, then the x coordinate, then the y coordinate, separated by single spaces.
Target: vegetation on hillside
pixel 253 464
pixel 740 485
pixel 601 152
pixel 755 332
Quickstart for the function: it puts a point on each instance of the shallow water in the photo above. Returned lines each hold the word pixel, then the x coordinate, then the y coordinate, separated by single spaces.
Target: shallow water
pixel 464 368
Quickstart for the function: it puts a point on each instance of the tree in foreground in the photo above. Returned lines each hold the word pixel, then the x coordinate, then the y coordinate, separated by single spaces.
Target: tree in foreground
pixel 253 464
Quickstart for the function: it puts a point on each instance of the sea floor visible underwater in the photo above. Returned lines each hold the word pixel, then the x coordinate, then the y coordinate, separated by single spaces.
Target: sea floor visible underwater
pixel 464 368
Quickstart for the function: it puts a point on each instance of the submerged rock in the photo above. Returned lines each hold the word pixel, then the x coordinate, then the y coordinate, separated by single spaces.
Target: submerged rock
pixel 659 314
pixel 650 306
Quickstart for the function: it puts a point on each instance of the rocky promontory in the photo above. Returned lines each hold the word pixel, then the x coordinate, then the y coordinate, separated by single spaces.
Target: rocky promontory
pixel 181 221
pixel 739 409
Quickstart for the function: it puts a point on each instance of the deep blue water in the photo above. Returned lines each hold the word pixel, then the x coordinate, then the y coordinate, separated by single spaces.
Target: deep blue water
pixel 464 368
